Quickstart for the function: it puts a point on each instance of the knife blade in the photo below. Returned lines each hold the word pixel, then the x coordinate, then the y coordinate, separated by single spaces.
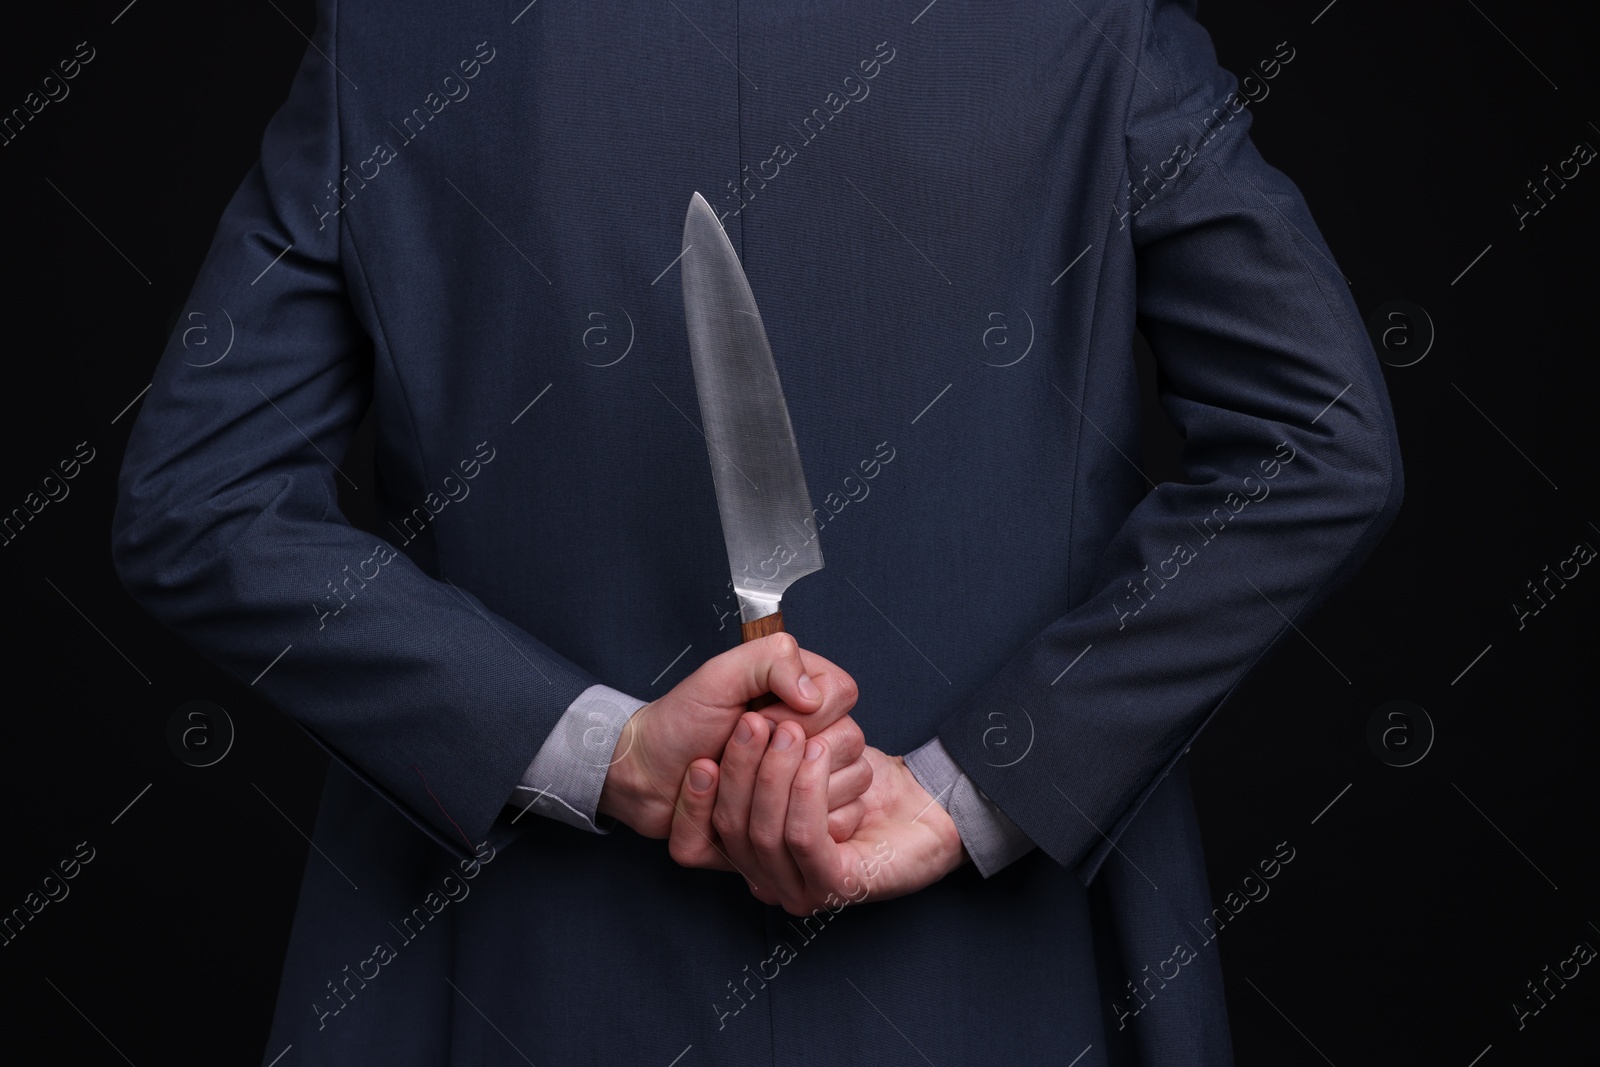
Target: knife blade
pixel 766 513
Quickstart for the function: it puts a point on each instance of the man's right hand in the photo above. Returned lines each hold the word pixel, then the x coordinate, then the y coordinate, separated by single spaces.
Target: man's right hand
pixel 695 720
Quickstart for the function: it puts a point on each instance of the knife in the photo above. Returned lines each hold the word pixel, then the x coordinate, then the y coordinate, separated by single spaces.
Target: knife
pixel 762 499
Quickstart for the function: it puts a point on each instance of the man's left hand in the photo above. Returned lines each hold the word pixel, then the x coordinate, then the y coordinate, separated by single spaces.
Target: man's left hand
pixel 764 813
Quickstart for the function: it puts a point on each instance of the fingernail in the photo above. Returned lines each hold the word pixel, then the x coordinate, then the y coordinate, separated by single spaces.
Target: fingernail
pixel 743 732
pixel 783 740
pixel 813 749
pixel 808 688
pixel 699 779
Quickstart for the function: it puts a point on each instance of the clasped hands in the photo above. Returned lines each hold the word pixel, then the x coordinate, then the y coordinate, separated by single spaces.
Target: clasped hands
pixel 791 797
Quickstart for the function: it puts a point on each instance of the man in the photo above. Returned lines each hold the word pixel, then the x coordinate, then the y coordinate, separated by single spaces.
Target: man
pixel 467 221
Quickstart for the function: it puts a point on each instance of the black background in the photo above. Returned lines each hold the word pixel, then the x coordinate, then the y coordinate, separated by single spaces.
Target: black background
pixel 1418 904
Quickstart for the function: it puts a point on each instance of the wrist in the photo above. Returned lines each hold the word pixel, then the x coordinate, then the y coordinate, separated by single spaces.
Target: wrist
pixel 629 794
pixel 620 794
pixel 951 849
pixel 962 857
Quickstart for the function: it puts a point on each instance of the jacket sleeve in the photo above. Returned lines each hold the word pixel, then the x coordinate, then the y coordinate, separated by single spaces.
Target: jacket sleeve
pixel 228 529
pixel 1291 464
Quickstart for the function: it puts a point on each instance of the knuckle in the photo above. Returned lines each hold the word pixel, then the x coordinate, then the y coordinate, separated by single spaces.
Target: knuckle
pixel 840 732
pixel 843 822
pixel 725 822
pixel 801 838
pixel 765 839
pixel 799 907
pixel 847 690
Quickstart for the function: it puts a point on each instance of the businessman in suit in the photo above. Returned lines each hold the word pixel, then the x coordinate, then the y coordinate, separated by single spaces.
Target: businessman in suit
pixel 1017 634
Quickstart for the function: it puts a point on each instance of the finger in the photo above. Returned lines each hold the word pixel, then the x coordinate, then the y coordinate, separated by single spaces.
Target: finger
pixel 779 669
pixel 730 817
pixel 839 692
pixel 844 738
pixel 692 842
pixel 845 742
pixel 769 808
pixel 847 785
pixel 806 824
pixel 843 822
pixel 771 664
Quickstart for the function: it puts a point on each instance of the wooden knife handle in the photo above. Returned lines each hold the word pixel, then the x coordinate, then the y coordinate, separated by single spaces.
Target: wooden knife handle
pixel 751 631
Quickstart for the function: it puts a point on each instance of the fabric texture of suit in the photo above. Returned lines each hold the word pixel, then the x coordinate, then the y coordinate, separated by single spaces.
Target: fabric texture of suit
pixel 448 204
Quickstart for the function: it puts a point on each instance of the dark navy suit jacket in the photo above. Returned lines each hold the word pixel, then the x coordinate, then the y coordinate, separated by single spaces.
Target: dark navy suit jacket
pixel 954 216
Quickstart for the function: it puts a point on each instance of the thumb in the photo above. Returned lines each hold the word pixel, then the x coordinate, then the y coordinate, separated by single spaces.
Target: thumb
pixel 771 664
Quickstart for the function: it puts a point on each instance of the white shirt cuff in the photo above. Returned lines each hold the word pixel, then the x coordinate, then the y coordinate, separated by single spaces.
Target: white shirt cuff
pixel 564 780
pixel 992 840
